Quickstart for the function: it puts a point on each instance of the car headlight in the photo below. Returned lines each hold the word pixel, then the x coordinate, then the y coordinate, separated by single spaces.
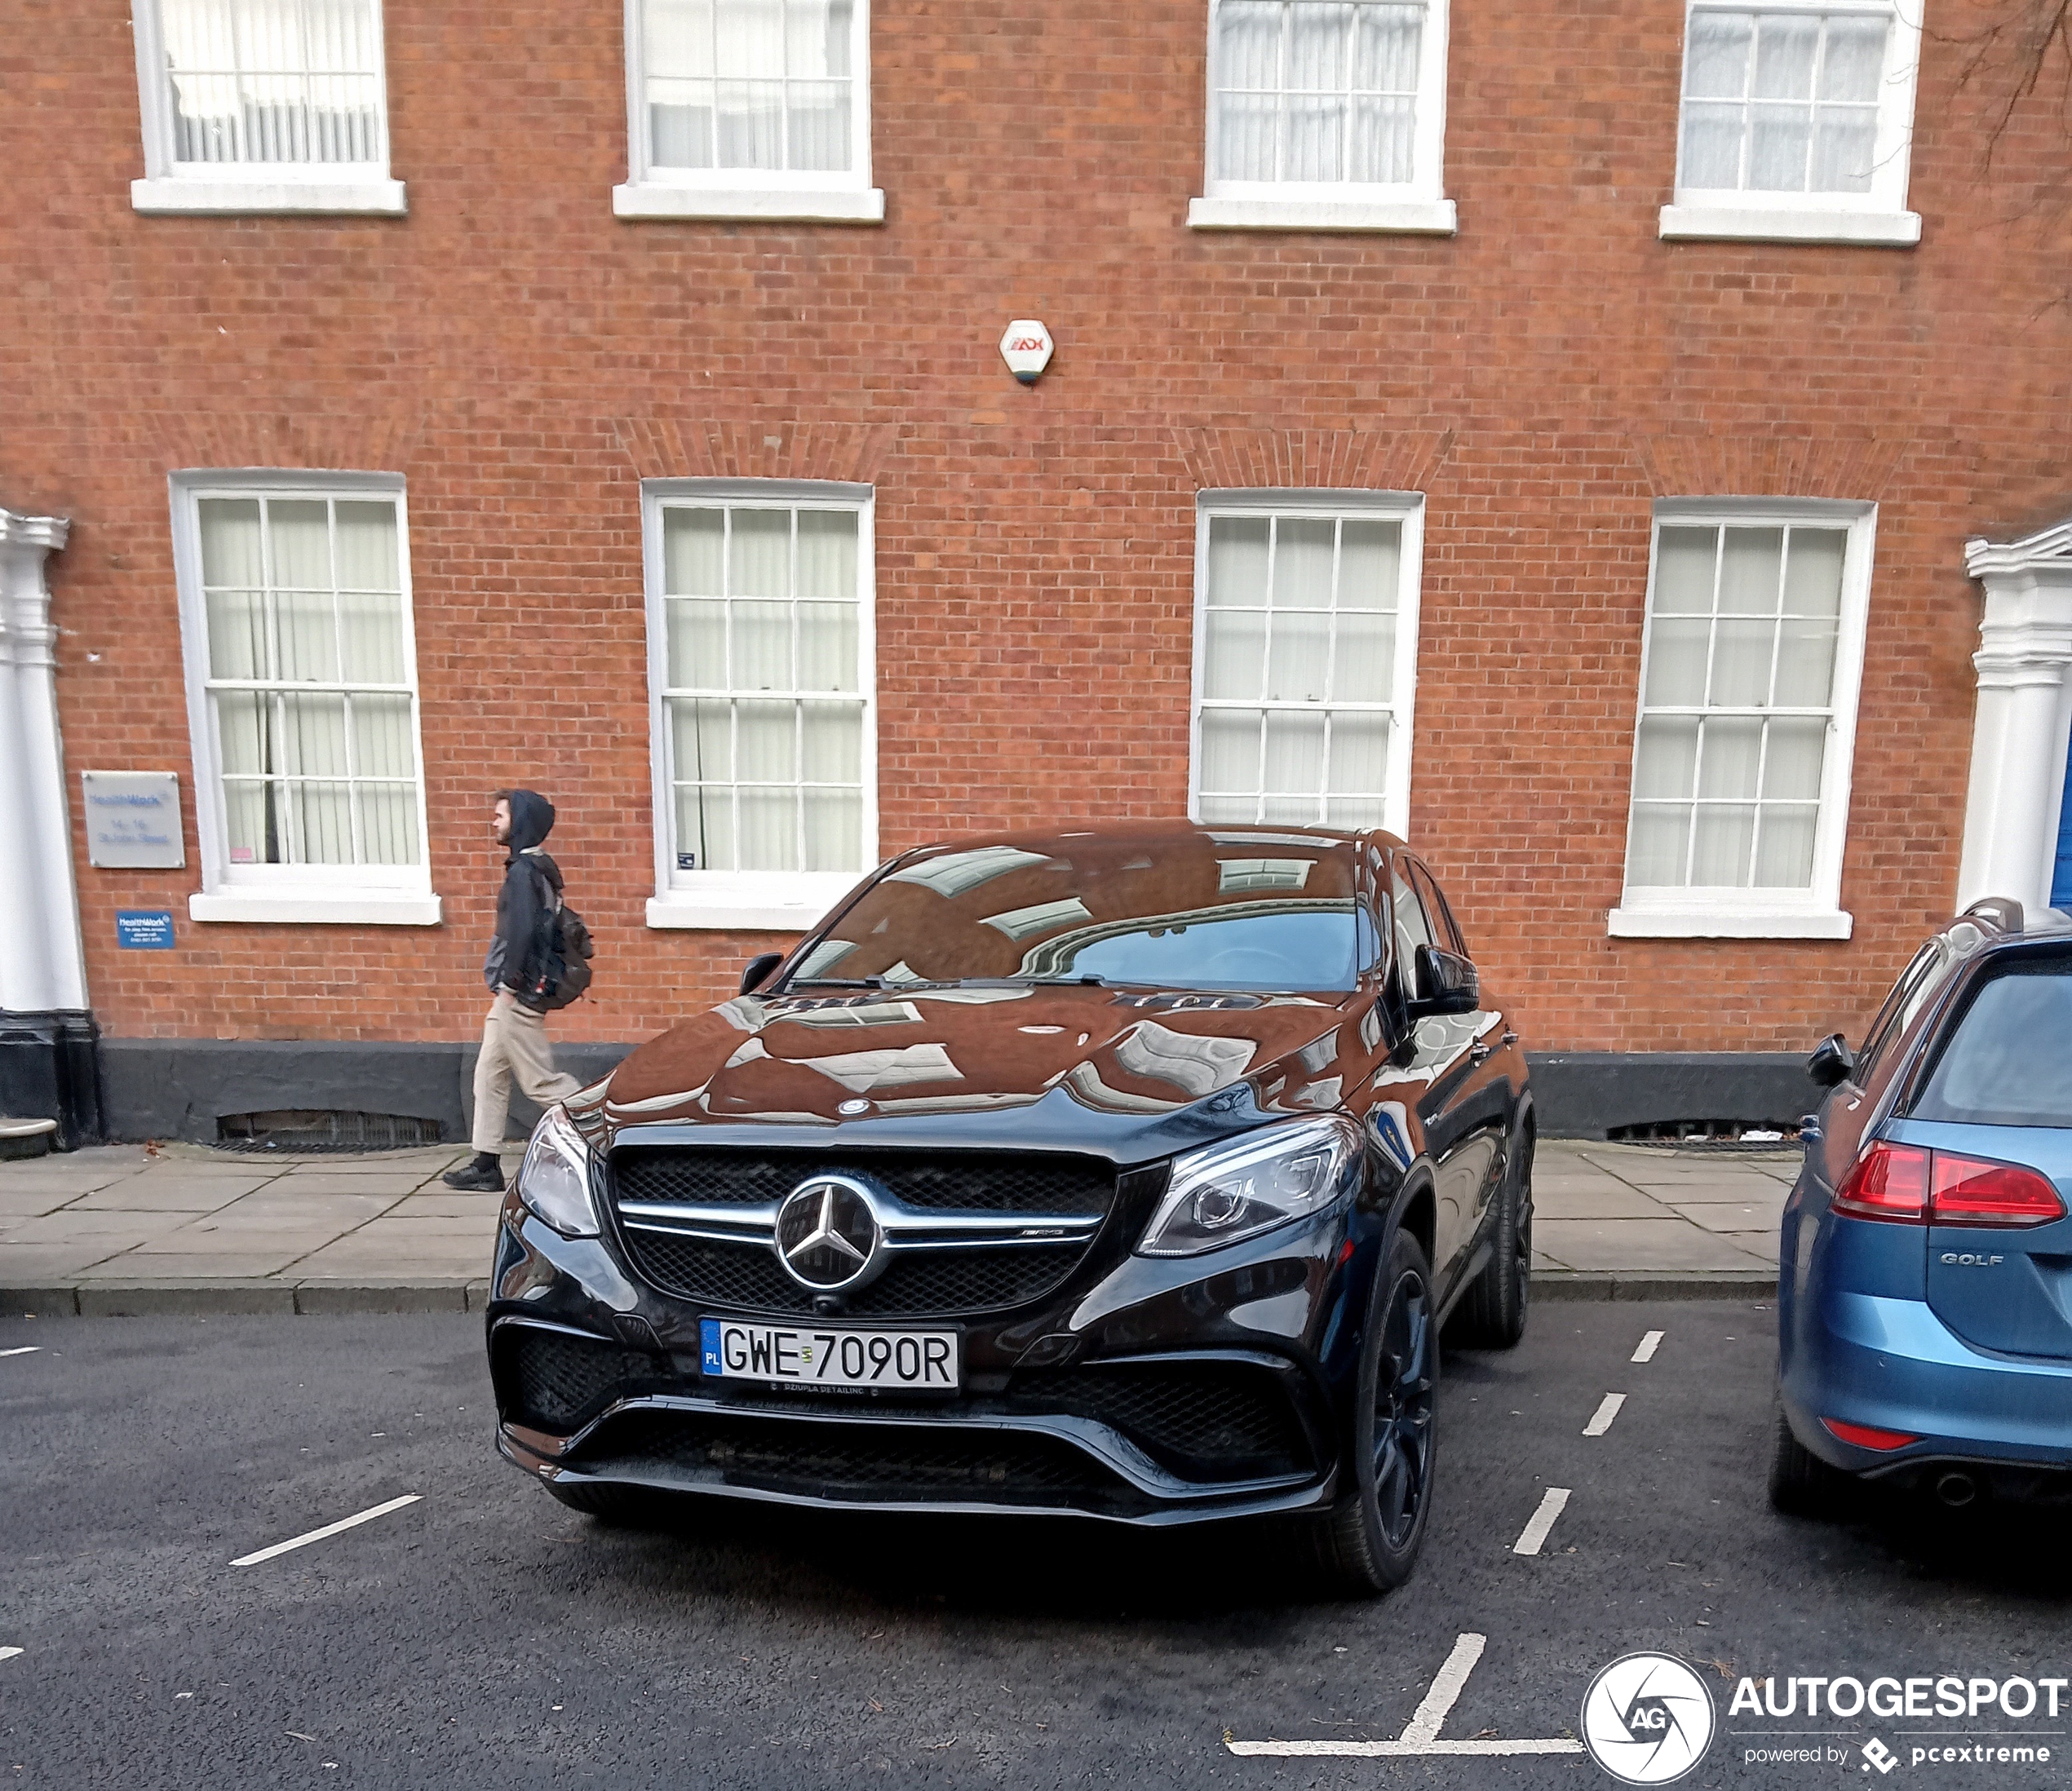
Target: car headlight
pixel 554 1180
pixel 1251 1184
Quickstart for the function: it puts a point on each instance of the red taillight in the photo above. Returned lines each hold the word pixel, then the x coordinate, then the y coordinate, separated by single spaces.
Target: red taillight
pixel 1904 1184
pixel 1868 1436
pixel 1966 1191
pixel 1889 1182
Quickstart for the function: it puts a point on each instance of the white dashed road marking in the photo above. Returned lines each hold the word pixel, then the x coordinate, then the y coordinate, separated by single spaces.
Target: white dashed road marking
pixel 27 1349
pixel 8 1654
pixel 330 1529
pixel 1420 1736
pixel 1601 1421
pixel 1542 1521
pixel 1646 1353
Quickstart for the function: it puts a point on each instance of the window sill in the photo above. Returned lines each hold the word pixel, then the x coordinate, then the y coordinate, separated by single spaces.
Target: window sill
pixel 1808 224
pixel 751 205
pixel 282 908
pixel 1734 920
pixel 1398 217
pixel 728 915
pixel 177 197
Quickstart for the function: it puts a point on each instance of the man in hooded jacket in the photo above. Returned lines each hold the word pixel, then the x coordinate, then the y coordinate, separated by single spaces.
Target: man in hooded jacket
pixel 514 1036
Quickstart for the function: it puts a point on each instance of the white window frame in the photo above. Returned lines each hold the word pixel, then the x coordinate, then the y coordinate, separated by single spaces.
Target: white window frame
pixel 819 195
pixel 178 188
pixel 1815 911
pixel 1419 207
pixel 1405 508
pixel 1878 218
pixel 300 894
pixel 773 902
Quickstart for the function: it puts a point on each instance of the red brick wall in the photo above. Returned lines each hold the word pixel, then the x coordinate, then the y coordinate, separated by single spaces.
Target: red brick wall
pixel 524 359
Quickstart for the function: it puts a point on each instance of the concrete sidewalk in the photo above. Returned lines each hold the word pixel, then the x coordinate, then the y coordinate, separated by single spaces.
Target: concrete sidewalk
pixel 131 1229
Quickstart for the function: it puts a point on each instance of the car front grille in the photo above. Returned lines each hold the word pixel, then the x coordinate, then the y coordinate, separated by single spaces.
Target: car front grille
pixel 977 1182
pixel 557 1383
pixel 859 1462
pixel 951 1282
pixel 1204 1420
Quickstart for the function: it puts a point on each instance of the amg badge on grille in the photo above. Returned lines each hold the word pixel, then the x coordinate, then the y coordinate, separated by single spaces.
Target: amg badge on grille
pixel 828 1234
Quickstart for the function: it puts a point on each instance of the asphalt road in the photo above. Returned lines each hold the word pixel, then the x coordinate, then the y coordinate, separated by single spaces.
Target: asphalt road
pixel 484 1636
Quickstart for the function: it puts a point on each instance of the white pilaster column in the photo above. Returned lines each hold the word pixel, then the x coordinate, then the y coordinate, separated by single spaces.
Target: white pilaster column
pixel 42 967
pixel 2025 716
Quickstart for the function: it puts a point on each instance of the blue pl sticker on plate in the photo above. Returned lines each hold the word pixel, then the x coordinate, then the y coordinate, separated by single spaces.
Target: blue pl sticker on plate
pixel 709 1345
pixel 145 929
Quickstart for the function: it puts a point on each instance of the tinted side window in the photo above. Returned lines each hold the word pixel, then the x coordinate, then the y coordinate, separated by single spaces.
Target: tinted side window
pixel 2004 1062
pixel 1446 929
pixel 1412 928
pixel 1900 1007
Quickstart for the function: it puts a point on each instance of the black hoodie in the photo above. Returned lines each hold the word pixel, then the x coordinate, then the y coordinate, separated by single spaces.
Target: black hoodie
pixel 529 876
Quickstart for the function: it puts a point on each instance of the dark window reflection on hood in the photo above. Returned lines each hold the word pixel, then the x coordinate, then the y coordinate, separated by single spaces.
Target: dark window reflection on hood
pixel 1194 913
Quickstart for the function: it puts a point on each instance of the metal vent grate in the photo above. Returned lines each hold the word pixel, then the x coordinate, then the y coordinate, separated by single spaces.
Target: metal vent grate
pixel 323 1130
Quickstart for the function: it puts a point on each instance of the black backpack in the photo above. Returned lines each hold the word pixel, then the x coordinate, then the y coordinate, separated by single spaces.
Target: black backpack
pixel 559 959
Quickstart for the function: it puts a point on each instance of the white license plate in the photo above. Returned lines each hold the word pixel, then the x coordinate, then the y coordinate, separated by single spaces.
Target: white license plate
pixel 924 1361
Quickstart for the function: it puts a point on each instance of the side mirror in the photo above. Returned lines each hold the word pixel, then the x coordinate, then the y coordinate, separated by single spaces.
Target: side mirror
pixel 1831 1061
pixel 1446 983
pixel 759 967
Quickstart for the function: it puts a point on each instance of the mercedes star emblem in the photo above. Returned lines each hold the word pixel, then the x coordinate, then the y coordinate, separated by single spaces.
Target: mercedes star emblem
pixel 828 1237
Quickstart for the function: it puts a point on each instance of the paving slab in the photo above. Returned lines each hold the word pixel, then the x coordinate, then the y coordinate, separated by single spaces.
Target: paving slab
pixel 154 1266
pixel 170 1194
pixel 438 1202
pixel 1756 1215
pixel 1638 1244
pixel 317 1183
pixel 31 1265
pixel 113 1230
pixel 1611 1201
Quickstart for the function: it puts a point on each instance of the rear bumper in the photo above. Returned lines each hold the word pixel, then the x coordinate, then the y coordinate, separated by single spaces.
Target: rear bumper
pixel 1891 1364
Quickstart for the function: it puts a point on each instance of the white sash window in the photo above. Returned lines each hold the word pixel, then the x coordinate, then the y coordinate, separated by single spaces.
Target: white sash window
pixel 1796 122
pixel 749 108
pixel 264 105
pixel 1326 114
pixel 1751 660
pixel 301 689
pixel 1304 658
pixel 761 657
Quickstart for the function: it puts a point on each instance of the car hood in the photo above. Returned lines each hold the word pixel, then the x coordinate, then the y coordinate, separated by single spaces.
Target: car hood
pixel 1129 1075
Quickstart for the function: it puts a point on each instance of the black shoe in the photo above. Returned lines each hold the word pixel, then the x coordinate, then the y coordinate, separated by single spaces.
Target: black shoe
pixel 482 1174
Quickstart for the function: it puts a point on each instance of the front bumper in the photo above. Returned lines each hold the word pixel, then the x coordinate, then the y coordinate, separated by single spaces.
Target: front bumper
pixel 1142 1392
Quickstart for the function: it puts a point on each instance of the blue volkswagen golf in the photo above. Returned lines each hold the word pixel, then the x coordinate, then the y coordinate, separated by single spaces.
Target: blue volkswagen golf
pixel 1924 1312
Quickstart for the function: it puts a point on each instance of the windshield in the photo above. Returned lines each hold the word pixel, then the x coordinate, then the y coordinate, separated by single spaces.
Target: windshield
pixel 2006 1063
pixel 1273 913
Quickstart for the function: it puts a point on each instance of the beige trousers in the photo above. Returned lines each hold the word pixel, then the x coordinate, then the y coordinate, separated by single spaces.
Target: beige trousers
pixel 513 1044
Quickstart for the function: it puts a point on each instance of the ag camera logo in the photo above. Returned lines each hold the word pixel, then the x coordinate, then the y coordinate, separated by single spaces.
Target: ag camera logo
pixel 1647 1719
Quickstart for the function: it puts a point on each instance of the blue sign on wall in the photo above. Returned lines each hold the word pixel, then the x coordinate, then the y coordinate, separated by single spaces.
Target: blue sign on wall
pixel 145 929
pixel 2061 879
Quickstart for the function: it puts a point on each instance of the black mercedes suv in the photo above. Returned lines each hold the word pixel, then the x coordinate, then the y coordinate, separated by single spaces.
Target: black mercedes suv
pixel 1128 1173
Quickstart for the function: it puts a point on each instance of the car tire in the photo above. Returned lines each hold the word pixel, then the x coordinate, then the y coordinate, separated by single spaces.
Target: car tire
pixel 1368 1543
pixel 1491 1315
pixel 1801 1485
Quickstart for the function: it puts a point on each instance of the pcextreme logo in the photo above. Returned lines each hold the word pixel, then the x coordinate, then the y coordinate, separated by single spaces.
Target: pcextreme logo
pixel 1647 1719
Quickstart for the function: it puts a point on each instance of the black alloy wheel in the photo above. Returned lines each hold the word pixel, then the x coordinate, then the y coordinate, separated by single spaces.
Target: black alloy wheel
pixel 1369 1543
pixel 1491 1315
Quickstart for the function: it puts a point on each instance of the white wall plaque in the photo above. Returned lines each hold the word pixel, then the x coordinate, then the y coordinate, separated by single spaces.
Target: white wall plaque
pixel 133 819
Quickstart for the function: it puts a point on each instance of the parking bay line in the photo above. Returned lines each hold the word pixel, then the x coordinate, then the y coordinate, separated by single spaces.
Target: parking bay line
pixel 26 1349
pixel 1648 1344
pixel 1420 1734
pixel 1541 1521
pixel 8 1654
pixel 1608 1409
pixel 372 1512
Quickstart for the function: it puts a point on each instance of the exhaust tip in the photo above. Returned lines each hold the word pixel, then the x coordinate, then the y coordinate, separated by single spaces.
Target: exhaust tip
pixel 1956 1491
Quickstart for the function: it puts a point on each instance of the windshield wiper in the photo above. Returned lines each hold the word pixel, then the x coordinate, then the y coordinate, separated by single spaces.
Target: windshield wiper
pixel 835 982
